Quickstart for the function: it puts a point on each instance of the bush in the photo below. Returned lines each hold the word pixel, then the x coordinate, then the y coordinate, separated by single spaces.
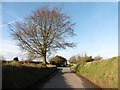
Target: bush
pixel 16 59
pixel 97 58
pixel 58 61
pixel 23 63
pixel 84 59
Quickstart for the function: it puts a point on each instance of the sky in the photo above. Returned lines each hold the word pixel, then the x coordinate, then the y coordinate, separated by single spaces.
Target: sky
pixel 96 27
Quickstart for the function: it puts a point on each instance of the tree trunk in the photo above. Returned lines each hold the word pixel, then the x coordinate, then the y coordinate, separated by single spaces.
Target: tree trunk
pixel 44 58
pixel 45 62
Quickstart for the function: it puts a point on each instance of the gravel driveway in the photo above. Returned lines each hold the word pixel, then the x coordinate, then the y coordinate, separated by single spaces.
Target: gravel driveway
pixel 66 79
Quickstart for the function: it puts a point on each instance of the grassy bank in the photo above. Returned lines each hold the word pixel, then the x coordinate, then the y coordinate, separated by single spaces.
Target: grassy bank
pixel 103 73
pixel 21 75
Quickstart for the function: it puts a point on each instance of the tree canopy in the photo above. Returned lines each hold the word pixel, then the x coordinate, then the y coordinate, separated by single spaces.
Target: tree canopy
pixel 44 31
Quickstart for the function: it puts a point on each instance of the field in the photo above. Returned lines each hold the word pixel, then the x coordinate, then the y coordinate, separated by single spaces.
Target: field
pixel 22 75
pixel 103 73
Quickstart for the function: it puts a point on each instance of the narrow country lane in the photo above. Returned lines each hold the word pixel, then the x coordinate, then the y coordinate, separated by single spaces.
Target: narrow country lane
pixel 66 79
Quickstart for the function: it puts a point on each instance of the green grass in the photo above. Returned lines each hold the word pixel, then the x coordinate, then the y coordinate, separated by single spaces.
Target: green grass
pixel 21 75
pixel 104 73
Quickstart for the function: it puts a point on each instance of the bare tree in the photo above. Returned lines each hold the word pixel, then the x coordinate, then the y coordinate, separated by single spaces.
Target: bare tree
pixel 73 59
pixel 31 56
pixel 44 31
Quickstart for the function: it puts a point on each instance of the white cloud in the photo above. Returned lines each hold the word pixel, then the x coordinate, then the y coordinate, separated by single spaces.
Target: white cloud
pixel 11 22
pixel 9 50
pixel 3 25
pixel 12 14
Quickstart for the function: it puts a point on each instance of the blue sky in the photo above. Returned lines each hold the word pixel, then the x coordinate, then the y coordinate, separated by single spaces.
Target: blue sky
pixel 96 27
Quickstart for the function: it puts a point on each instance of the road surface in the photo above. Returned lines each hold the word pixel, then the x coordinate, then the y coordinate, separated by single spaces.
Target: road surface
pixel 66 79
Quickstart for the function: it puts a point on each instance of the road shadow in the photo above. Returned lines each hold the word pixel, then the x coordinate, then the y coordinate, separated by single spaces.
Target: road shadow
pixel 58 81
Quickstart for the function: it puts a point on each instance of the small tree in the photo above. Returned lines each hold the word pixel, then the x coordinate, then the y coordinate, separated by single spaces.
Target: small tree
pixel 85 58
pixel 97 58
pixel 73 60
pixel 44 31
pixel 31 56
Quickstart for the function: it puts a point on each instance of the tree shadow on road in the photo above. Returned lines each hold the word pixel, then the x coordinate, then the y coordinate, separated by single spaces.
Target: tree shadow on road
pixel 58 81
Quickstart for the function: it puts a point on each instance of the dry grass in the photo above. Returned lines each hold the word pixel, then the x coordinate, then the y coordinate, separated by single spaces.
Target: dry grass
pixel 21 75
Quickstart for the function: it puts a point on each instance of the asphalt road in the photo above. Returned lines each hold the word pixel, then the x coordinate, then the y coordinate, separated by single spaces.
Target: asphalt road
pixel 66 79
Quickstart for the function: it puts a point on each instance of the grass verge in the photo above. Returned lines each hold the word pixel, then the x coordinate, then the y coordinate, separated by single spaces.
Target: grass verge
pixel 103 73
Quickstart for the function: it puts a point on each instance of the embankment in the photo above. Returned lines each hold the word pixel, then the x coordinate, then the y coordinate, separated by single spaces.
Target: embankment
pixel 103 73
